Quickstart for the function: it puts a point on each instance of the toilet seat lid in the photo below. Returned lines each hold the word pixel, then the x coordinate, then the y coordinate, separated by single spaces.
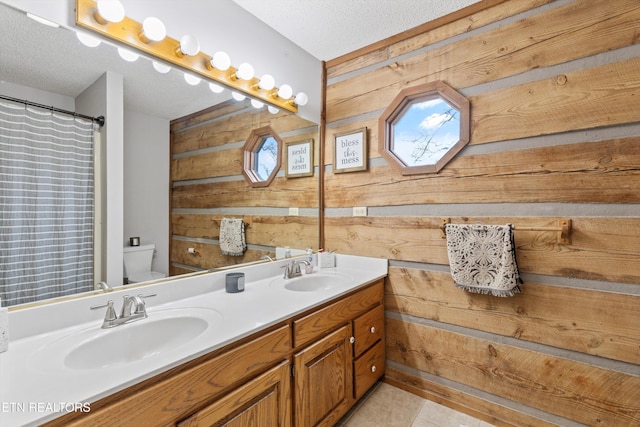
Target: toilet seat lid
pixel 146 276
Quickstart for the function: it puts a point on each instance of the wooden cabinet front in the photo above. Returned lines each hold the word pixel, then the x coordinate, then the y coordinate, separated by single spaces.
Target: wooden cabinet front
pixel 316 324
pixel 367 369
pixel 367 330
pixel 323 380
pixel 263 401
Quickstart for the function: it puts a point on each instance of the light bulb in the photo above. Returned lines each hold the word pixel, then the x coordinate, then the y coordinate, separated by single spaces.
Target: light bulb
pixel 127 55
pixel 237 96
pixel 302 99
pixel 285 92
pixel 221 61
pixel 245 71
pixel 272 110
pixel 153 30
pixel 191 79
pixel 109 11
pixel 257 104
pixel 189 45
pixel 267 82
pixel 87 39
pixel 216 88
pixel 160 67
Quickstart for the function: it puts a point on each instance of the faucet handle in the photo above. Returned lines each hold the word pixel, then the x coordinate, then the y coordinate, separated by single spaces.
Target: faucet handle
pixel 110 316
pixel 111 312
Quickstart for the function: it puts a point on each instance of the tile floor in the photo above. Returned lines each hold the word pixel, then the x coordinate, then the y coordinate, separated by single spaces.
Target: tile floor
pixel 389 406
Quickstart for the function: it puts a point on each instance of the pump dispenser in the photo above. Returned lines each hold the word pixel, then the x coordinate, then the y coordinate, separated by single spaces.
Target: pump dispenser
pixel 309 267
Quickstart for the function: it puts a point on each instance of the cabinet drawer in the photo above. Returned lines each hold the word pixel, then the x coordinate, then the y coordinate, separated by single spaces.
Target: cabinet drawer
pixel 310 327
pixel 367 369
pixel 367 329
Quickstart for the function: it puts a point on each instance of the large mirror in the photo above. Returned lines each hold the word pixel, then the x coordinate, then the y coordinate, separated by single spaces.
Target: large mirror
pixel 48 66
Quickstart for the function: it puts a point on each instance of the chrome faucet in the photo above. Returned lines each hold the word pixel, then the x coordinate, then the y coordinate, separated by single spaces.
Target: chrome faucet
pixel 293 268
pixel 112 320
pixel 137 303
pixel 104 286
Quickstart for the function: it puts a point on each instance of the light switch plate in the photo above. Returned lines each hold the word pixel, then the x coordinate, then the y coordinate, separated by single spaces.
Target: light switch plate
pixel 294 211
pixel 360 211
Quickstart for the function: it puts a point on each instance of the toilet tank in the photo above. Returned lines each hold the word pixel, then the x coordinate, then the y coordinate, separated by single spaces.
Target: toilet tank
pixel 138 259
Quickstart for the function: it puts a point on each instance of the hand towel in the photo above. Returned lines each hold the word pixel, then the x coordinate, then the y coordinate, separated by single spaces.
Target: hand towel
pixel 232 240
pixel 483 258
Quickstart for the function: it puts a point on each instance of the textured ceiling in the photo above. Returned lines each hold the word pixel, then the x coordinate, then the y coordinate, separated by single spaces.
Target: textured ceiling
pixel 52 59
pixel 328 29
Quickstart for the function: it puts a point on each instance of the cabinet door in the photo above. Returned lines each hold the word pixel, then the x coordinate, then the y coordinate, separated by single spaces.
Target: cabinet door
pixel 323 380
pixel 261 402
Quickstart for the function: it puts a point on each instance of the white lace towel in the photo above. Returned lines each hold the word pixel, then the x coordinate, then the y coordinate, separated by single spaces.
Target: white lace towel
pixel 483 258
pixel 232 240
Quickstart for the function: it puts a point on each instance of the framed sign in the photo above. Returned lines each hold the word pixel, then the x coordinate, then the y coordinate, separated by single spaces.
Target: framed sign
pixel 350 151
pixel 299 158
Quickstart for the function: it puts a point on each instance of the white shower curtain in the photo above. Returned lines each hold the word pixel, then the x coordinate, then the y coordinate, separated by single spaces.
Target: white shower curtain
pixel 46 204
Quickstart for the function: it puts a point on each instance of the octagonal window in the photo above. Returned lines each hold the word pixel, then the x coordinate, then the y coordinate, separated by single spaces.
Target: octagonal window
pixel 266 158
pixel 262 154
pixel 424 128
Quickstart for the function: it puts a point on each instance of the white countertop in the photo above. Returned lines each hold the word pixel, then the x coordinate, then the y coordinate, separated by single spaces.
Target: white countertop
pixel 36 387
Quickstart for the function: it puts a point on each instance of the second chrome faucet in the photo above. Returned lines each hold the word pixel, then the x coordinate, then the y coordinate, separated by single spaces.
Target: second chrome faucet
pixel 293 268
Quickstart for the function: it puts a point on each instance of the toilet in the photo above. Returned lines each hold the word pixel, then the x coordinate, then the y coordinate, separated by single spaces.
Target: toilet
pixel 137 263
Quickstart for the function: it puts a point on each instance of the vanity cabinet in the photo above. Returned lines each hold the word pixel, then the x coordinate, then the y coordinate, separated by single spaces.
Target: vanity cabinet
pixel 308 370
pixel 333 372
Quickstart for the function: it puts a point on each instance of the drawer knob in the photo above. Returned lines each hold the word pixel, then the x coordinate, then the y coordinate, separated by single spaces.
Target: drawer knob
pixel 352 340
pixel 373 368
pixel 373 329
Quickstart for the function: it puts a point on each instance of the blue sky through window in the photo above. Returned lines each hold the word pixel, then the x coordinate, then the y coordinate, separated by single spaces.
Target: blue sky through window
pixel 425 131
pixel 266 158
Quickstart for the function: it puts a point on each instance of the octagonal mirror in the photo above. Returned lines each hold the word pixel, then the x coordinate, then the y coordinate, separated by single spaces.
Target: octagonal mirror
pixel 262 154
pixel 424 128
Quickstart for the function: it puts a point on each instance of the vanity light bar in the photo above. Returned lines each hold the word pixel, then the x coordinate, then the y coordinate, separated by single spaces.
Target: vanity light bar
pixel 128 32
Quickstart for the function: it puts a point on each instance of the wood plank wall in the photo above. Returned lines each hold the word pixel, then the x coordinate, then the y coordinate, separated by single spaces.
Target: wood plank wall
pixel 555 133
pixel 207 185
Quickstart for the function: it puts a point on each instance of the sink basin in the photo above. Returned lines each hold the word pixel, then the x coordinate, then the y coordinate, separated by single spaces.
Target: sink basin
pixel 135 341
pixel 163 332
pixel 312 282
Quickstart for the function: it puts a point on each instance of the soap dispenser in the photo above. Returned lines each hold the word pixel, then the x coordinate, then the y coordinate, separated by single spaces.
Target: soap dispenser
pixel 4 328
pixel 309 267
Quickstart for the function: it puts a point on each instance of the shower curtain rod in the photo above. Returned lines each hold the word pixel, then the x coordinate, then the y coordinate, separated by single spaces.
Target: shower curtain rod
pixel 99 120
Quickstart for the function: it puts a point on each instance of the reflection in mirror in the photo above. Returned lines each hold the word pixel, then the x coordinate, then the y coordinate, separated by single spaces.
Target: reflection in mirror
pixel 209 152
pixel 424 128
pixel 266 158
pixel 71 69
pixel 262 154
